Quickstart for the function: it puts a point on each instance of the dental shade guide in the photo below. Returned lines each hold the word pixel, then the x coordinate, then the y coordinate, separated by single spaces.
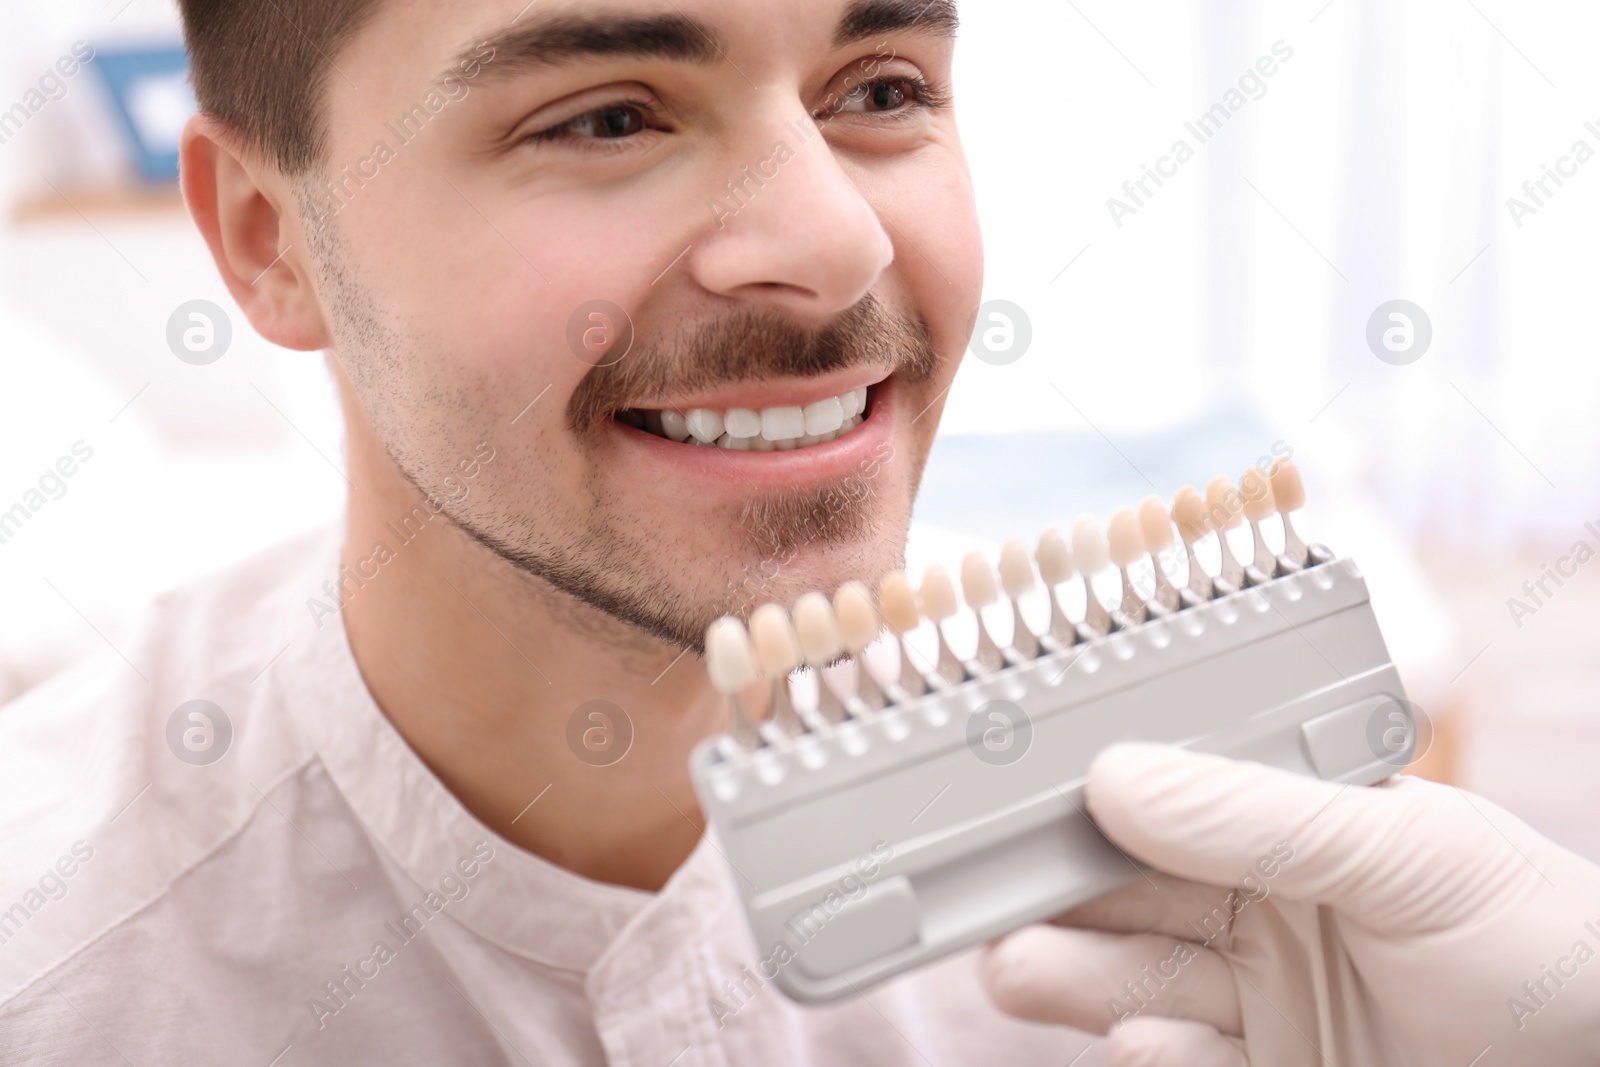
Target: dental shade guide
pixel 1256 490
pixel 1156 526
pixel 1126 543
pixel 1189 516
pixel 1290 494
pixel 1055 568
pixel 938 596
pixel 778 653
pixel 1223 506
pixel 1092 554
pixel 820 644
pixel 979 590
pixel 1016 578
pixel 731 664
pixel 858 628
pixel 1286 667
pixel 901 615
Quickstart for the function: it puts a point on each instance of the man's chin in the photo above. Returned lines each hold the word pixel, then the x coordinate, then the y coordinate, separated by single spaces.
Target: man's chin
pixel 815 520
pixel 789 560
pixel 782 572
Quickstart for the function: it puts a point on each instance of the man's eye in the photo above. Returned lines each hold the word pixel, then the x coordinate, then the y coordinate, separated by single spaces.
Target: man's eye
pixel 609 123
pixel 880 97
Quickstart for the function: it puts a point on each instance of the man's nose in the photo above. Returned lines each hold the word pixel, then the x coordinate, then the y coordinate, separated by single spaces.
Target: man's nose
pixel 791 230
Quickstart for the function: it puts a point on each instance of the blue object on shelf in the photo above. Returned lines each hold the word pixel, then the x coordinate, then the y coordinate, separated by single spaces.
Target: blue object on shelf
pixel 151 97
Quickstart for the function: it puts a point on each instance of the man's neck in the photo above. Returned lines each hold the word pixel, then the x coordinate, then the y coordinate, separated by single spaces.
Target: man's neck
pixel 481 668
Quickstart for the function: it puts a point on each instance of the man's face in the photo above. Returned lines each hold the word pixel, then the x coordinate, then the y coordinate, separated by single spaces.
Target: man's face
pixel 770 198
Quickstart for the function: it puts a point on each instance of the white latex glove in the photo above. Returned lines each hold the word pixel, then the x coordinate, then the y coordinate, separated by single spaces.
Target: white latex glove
pixel 1365 926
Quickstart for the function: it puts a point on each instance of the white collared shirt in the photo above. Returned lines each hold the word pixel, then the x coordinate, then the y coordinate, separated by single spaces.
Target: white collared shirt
pixel 316 896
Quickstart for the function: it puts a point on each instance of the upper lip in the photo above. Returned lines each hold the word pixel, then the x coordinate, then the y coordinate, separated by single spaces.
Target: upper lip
pixel 774 392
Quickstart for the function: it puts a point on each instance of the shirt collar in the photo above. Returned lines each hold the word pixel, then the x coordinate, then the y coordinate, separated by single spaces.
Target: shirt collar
pixel 519 901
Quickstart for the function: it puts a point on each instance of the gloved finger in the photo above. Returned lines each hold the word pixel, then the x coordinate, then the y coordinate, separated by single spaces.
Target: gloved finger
pixel 1160 904
pixel 1393 858
pixel 1091 980
pixel 1156 1042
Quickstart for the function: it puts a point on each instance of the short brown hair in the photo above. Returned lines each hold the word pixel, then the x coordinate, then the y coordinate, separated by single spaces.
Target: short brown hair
pixel 263 68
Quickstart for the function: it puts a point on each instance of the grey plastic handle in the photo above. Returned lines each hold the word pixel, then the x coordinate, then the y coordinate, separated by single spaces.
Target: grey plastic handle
pixel 885 843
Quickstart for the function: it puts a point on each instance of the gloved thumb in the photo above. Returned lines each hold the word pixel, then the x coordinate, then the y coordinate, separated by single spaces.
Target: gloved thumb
pixel 1159 1042
pixel 1397 857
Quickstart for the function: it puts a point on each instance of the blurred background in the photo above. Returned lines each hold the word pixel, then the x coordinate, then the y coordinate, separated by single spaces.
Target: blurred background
pixel 1338 156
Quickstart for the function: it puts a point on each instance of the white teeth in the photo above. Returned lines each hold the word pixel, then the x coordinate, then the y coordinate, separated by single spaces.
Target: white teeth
pixel 779 424
pixel 705 423
pixel 674 425
pixel 825 416
pixel 774 429
pixel 742 422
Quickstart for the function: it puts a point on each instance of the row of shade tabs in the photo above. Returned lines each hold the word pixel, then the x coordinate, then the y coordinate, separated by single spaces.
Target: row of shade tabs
pixel 821 632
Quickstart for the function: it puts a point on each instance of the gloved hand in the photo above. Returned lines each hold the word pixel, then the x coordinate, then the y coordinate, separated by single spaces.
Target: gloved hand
pixel 1306 923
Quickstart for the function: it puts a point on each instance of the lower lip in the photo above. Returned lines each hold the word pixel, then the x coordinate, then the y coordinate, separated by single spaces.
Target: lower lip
pixel 828 461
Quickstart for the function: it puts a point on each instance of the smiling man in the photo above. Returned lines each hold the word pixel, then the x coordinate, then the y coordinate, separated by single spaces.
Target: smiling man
pixel 639 313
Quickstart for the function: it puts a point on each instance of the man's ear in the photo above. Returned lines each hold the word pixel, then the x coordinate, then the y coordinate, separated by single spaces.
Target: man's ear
pixel 245 211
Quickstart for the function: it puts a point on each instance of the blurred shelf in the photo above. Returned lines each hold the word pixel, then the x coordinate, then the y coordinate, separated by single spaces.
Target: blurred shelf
pixel 119 200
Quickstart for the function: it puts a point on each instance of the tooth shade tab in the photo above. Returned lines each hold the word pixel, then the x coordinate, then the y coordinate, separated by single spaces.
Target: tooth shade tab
pixel 777 645
pixel 818 629
pixel 1016 571
pixel 1288 491
pixel 1256 492
pixel 938 594
pixel 899 603
pixel 1125 540
pixel 1055 558
pixel 1089 545
pixel 1223 503
pixel 858 618
pixel 1155 524
pixel 730 656
pixel 1189 514
pixel 978 587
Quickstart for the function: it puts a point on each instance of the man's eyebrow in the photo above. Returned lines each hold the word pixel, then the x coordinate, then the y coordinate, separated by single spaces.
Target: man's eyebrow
pixel 557 39
pixel 868 18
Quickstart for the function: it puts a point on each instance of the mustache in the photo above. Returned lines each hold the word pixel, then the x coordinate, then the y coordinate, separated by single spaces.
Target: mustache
pixel 752 346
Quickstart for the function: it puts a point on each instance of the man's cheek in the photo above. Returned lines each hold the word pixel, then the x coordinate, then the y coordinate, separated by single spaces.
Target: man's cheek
pixel 946 279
